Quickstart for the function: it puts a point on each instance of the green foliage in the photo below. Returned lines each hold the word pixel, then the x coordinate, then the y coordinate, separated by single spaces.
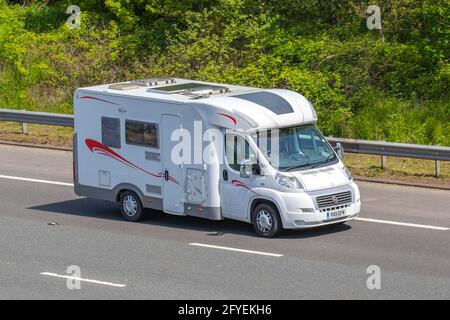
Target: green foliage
pixel 399 120
pixel 392 86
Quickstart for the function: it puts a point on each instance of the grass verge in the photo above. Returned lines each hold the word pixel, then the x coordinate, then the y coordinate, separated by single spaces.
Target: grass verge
pixel 36 134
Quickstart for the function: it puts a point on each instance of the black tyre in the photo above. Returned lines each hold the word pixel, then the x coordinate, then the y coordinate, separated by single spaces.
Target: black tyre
pixel 266 221
pixel 131 206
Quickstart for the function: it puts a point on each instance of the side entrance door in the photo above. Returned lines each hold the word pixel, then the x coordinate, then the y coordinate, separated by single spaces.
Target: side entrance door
pixel 173 193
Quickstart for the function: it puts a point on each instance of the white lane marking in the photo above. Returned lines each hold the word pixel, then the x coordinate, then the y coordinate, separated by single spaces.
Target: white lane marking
pixel 403 224
pixel 37 181
pixel 81 279
pixel 236 249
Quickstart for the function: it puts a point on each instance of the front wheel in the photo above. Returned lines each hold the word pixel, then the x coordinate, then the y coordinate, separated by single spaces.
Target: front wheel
pixel 131 206
pixel 266 221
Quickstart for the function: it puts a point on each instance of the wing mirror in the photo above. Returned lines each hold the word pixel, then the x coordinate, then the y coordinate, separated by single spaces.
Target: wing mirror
pixel 339 149
pixel 245 169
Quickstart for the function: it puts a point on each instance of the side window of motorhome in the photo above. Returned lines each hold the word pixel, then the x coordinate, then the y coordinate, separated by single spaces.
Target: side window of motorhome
pixel 142 133
pixel 237 149
pixel 111 132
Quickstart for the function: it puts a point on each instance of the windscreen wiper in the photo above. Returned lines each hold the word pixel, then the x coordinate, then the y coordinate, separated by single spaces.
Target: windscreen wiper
pixel 297 167
pixel 312 165
pixel 330 157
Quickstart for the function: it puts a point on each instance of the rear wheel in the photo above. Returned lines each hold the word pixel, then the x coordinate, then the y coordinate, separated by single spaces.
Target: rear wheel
pixel 131 206
pixel 266 221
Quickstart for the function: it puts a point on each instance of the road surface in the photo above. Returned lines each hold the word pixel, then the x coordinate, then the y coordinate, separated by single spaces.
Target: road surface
pixel 45 228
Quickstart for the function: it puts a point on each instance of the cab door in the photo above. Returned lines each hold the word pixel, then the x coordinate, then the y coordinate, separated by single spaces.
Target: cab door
pixel 235 191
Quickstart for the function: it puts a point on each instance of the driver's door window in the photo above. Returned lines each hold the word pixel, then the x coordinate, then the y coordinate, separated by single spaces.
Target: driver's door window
pixel 237 149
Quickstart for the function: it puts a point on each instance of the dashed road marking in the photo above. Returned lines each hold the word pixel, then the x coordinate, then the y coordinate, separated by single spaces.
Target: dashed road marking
pixel 49 274
pixel 236 250
pixel 405 224
pixel 37 180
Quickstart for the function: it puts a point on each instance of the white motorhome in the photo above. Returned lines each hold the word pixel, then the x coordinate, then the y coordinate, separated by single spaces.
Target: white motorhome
pixel 145 144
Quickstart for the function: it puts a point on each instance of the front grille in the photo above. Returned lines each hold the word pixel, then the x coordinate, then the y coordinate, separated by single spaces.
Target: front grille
pixel 332 200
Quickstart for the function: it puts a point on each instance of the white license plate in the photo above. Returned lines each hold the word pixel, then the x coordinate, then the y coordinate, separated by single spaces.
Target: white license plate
pixel 335 214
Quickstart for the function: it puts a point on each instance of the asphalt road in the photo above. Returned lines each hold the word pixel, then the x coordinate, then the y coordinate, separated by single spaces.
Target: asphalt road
pixel 45 228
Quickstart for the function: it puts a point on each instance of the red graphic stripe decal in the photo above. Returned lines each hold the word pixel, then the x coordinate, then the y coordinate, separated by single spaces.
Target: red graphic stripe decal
pixel 97 147
pixel 238 183
pixel 229 117
pixel 98 99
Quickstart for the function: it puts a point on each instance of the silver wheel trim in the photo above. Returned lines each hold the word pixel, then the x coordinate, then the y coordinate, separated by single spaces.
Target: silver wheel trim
pixel 264 221
pixel 130 206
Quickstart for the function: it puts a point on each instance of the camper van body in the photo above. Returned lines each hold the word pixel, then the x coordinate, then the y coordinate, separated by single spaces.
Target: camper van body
pixel 126 134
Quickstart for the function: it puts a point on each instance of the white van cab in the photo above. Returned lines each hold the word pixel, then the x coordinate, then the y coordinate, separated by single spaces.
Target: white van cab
pixel 210 150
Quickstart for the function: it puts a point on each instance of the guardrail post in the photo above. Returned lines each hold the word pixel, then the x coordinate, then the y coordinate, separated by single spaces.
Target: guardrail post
pixel 438 168
pixel 24 126
pixel 383 161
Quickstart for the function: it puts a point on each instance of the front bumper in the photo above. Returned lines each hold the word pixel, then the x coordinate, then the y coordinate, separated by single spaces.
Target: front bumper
pixel 303 212
pixel 305 221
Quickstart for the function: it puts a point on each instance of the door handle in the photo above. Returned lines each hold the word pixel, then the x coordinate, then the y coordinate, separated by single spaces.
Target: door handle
pixel 166 175
pixel 225 175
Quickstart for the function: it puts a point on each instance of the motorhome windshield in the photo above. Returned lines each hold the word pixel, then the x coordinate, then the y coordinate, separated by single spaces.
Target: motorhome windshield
pixel 295 148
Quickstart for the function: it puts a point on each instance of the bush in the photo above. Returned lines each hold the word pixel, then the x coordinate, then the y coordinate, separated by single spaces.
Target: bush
pixel 362 86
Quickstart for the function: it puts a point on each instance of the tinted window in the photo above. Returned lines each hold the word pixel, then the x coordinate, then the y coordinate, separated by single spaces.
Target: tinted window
pixel 142 133
pixel 268 100
pixel 111 132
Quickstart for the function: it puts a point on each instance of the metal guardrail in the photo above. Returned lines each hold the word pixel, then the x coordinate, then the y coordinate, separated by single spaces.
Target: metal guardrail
pixel 381 148
pixel 385 149
pixel 393 149
pixel 23 116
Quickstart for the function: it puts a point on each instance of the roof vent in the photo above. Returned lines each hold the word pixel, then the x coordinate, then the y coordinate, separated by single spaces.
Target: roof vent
pixel 123 86
pixel 153 82
pixel 191 89
pixel 204 92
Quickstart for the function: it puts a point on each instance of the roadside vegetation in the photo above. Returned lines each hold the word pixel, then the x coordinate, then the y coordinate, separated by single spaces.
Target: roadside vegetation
pixel 391 85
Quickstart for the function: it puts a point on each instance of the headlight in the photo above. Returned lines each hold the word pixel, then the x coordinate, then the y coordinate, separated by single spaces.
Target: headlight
pixel 348 173
pixel 289 182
